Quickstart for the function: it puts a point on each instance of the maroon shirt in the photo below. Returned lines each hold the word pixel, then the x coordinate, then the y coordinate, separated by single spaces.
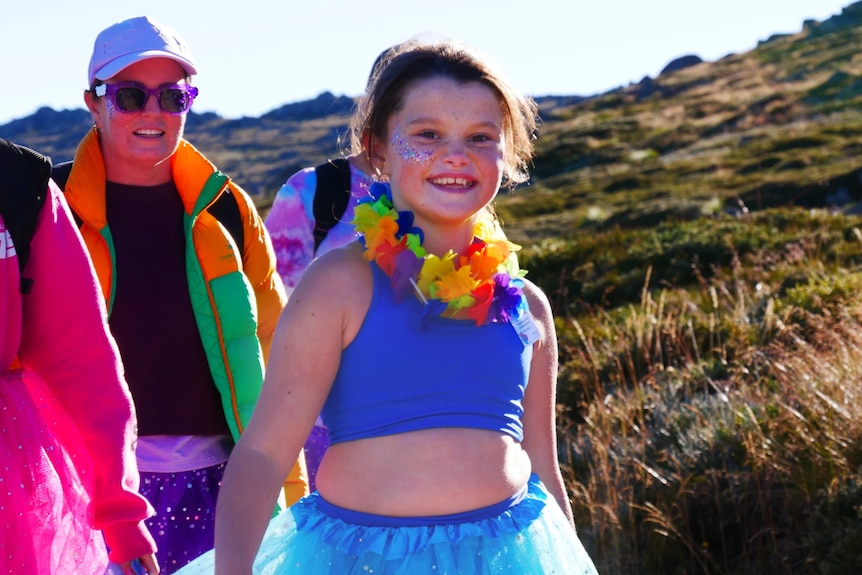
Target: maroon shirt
pixel 152 318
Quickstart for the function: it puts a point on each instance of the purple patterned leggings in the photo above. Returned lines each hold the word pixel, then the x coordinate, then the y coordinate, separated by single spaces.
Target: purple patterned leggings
pixel 315 447
pixel 185 502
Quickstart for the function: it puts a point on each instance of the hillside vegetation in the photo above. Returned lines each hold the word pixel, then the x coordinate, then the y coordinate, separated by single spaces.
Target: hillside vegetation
pixel 699 238
pixel 698 234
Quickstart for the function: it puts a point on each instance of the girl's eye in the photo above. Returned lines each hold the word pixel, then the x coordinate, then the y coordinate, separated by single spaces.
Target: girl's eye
pixel 483 138
pixel 427 135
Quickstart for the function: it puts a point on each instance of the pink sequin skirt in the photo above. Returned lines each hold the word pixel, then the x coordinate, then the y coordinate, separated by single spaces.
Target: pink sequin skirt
pixel 45 513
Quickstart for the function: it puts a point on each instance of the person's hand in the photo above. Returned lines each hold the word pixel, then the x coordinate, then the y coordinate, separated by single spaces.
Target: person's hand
pixel 145 564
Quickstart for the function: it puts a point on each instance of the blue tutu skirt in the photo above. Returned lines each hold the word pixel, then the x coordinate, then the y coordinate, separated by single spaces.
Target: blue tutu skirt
pixel 533 537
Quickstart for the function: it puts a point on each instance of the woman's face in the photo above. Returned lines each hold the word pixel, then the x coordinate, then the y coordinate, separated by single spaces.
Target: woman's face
pixel 137 146
pixel 445 151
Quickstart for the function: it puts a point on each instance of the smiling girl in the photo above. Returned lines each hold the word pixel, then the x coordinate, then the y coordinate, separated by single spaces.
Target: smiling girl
pixel 432 359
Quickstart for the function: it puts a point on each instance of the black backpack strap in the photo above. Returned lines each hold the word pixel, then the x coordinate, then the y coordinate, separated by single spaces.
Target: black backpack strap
pixel 330 196
pixel 60 174
pixel 226 210
pixel 24 177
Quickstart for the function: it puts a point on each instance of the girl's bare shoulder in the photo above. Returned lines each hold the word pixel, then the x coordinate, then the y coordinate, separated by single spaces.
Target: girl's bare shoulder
pixel 338 276
pixel 346 260
pixel 540 306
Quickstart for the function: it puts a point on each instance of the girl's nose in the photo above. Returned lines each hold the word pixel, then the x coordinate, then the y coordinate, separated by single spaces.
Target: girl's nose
pixel 455 152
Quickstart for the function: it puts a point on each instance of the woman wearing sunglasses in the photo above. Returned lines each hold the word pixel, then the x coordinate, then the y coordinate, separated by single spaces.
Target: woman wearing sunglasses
pixel 192 300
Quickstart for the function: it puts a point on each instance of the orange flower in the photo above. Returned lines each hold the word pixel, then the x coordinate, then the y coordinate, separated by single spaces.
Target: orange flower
pixel 486 262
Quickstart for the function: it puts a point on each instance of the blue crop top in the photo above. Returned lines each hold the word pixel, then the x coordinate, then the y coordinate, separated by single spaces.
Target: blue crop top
pixel 404 372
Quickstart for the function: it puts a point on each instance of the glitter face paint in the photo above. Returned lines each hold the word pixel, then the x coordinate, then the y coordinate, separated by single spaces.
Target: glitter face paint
pixel 410 154
pixel 110 108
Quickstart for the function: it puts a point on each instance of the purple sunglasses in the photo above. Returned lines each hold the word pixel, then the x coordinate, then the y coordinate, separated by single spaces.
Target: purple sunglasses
pixel 131 97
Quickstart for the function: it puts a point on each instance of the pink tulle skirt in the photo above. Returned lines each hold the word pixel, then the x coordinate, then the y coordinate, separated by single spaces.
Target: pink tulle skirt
pixel 45 513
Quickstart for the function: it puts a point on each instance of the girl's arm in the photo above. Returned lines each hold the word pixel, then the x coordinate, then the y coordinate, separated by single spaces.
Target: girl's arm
pixel 540 431
pixel 321 315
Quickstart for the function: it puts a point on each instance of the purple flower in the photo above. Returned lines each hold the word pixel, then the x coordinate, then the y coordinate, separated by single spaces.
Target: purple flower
pixel 407 267
pixel 508 299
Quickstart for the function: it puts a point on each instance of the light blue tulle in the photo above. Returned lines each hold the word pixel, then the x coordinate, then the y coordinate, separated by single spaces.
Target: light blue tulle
pixel 531 538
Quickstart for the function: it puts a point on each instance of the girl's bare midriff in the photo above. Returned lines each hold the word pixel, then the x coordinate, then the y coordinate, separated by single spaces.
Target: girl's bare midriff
pixel 422 473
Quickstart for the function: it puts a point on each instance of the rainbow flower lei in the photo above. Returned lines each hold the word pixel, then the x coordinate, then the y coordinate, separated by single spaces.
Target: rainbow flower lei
pixel 484 285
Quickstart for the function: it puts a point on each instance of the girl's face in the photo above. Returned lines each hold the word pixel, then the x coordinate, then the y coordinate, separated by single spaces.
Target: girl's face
pixel 137 145
pixel 445 151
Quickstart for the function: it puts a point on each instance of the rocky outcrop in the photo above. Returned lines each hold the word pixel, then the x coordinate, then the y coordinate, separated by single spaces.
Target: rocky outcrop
pixel 850 16
pixel 326 104
pixel 681 63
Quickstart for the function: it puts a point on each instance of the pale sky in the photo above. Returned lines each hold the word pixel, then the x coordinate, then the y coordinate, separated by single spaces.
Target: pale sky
pixel 254 56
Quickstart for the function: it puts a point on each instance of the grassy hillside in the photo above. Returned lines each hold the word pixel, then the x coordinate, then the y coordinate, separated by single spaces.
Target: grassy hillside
pixel 771 127
pixel 698 236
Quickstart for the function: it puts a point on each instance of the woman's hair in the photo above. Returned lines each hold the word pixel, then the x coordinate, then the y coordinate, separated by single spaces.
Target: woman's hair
pixel 399 67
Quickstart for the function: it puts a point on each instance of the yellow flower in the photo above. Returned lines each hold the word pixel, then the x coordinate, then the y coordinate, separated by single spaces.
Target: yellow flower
pixel 433 268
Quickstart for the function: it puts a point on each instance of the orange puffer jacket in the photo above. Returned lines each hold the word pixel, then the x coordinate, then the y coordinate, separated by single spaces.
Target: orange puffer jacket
pixel 236 300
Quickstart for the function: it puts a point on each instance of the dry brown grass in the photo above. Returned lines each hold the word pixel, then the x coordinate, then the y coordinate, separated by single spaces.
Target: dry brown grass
pixel 721 433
